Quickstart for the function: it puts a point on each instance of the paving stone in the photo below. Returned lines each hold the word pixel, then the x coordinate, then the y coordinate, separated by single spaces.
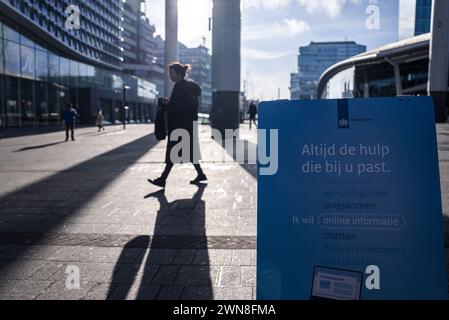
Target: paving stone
pixel 254 257
pixel 197 230
pixel 185 256
pixel 241 293
pixel 170 293
pixel 48 271
pixel 132 273
pixel 174 230
pixel 229 277
pixel 22 290
pixel 160 256
pixel 19 270
pixel 88 271
pixel 135 292
pixel 246 230
pixel 100 291
pixel 213 257
pixel 197 276
pixel 59 291
pixel 198 293
pixel 248 276
pixel 166 275
pixel 241 258
pixel 94 254
pixel 88 245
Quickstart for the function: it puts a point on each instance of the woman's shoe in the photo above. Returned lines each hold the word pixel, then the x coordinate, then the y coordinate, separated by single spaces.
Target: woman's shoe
pixel 200 178
pixel 159 182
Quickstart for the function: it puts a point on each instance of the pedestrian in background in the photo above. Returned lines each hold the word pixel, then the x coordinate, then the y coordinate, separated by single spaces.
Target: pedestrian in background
pixel 77 111
pixel 70 116
pixel 99 120
pixel 182 112
pixel 252 114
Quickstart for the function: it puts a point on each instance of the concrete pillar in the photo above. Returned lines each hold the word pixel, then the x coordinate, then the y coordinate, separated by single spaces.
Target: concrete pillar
pixel 226 43
pixel 171 40
pixel 439 59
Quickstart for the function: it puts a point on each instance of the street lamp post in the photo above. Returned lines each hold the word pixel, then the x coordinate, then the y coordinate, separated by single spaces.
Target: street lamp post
pixel 124 105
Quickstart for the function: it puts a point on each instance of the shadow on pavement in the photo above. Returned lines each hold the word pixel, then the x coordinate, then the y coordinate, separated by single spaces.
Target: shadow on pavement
pixel 167 271
pixel 122 280
pixel 41 146
pixel 251 168
pixel 7 133
pixel 49 202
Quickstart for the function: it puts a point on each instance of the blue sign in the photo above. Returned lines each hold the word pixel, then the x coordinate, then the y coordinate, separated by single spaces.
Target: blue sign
pixel 354 209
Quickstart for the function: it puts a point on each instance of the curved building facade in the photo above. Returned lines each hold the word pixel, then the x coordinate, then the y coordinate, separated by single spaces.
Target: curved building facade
pixel 44 65
pixel 400 68
pixel 98 38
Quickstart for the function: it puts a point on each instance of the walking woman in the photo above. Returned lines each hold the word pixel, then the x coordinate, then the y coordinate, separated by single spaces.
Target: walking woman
pixel 99 120
pixel 182 112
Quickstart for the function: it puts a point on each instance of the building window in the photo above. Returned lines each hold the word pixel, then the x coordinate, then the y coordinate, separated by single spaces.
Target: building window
pixel 13 117
pixel 27 61
pixel 12 58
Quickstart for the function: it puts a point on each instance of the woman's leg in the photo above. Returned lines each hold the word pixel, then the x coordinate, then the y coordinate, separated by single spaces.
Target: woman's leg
pixel 160 182
pixel 201 176
pixel 166 172
pixel 198 169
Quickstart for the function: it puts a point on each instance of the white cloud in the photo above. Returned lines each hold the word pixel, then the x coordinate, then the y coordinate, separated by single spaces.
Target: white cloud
pixel 296 27
pixel 407 13
pixel 156 12
pixel 194 22
pixel 288 28
pixel 331 8
pixel 264 4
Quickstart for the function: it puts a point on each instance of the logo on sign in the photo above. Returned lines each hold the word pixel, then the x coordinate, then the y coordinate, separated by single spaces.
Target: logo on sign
pixel 343 114
pixel 343 123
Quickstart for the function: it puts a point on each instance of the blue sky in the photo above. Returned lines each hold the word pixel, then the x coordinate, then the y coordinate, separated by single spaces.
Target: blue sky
pixel 273 30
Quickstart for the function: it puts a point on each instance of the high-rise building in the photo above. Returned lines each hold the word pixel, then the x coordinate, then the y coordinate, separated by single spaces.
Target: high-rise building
pixel 160 62
pixel 423 16
pixel 200 62
pixel 414 17
pixel 46 63
pixel 98 38
pixel 294 86
pixel 139 46
pixel 314 59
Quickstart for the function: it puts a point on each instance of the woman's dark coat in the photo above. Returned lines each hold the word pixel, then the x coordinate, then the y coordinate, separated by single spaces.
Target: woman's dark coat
pixel 182 111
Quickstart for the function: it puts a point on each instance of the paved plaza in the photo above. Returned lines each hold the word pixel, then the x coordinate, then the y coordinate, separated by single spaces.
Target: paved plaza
pixel 86 205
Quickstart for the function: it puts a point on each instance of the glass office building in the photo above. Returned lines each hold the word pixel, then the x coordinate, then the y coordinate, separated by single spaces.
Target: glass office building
pixel 423 16
pixel 415 18
pixel 314 59
pixel 44 66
